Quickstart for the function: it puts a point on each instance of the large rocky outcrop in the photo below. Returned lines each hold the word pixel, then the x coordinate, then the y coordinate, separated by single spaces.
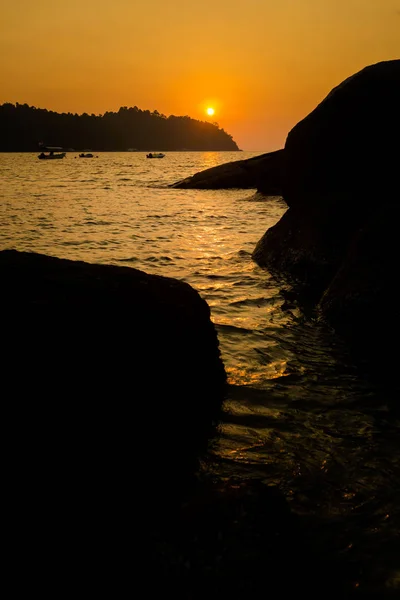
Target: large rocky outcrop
pixel 261 172
pixel 349 143
pixel 341 183
pixel 111 381
pixel 111 349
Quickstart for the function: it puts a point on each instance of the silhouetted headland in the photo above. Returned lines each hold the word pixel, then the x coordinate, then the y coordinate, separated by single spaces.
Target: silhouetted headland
pixel 23 127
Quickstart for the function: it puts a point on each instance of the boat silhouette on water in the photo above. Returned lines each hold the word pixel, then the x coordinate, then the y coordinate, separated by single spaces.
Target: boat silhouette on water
pixel 155 155
pixel 52 152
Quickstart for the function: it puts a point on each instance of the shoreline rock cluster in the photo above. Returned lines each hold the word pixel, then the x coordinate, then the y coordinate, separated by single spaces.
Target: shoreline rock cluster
pixel 339 175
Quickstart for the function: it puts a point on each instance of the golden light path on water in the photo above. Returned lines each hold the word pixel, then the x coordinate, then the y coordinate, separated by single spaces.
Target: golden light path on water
pixel 297 415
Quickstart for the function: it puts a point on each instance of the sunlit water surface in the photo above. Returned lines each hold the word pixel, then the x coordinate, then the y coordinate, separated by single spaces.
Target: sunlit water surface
pixel 297 415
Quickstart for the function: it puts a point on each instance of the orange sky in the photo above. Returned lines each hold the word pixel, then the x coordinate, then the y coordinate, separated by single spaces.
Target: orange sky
pixel 262 64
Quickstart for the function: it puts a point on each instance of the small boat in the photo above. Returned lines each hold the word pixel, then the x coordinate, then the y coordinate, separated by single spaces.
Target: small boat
pixel 52 152
pixel 88 155
pixel 155 155
pixel 52 155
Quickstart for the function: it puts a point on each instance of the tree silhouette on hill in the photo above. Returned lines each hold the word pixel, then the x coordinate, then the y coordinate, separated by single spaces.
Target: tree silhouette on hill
pixel 24 127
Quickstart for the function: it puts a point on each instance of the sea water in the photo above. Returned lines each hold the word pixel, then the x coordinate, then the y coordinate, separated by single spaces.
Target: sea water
pixel 298 415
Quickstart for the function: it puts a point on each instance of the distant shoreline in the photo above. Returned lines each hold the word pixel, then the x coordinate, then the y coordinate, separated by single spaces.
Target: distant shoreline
pixel 125 151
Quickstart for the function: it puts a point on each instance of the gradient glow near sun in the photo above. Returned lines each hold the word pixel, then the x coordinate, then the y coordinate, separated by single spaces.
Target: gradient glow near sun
pixel 210 111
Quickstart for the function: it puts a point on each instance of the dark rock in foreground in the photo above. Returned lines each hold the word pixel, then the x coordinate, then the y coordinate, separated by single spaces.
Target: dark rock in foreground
pixel 261 172
pixel 340 180
pixel 128 360
pixel 111 379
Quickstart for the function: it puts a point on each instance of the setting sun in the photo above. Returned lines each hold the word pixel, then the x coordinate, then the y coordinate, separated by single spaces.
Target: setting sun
pixel 210 111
